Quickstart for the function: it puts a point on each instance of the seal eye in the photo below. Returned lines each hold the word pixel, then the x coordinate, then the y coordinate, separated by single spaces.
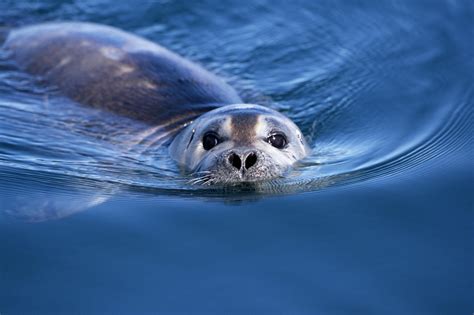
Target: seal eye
pixel 277 140
pixel 209 141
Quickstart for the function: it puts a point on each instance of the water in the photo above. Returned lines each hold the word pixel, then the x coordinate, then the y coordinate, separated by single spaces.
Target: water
pixel 377 220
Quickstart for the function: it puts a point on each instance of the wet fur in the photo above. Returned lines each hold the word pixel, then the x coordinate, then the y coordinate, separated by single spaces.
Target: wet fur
pixel 104 67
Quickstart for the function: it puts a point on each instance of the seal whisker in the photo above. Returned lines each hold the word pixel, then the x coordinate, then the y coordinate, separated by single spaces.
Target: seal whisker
pixel 199 180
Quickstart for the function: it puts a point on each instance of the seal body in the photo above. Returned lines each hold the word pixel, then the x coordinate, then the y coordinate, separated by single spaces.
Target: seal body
pixel 215 136
pixel 107 68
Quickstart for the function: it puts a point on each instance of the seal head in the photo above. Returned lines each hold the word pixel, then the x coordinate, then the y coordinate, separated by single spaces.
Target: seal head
pixel 239 143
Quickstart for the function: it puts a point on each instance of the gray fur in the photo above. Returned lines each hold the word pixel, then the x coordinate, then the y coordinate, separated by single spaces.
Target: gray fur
pixel 107 68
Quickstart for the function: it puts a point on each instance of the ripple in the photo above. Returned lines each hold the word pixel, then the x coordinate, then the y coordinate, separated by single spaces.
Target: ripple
pixel 377 91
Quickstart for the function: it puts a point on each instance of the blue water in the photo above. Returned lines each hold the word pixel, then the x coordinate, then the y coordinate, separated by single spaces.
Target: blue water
pixel 377 220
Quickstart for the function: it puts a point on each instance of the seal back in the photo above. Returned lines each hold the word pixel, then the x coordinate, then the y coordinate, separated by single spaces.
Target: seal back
pixel 107 68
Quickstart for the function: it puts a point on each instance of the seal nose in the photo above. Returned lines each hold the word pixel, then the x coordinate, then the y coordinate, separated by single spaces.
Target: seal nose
pixel 250 160
pixel 236 161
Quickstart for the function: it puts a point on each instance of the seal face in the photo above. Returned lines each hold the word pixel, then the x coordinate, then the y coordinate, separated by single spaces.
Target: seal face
pixel 239 143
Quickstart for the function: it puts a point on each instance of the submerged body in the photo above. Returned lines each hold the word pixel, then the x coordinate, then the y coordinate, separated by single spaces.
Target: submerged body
pixel 214 134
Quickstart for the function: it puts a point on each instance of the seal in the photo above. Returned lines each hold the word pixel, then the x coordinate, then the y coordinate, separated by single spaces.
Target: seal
pixel 212 133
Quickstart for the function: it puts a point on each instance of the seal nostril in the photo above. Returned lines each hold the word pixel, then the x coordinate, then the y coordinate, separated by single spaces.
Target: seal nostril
pixel 250 160
pixel 235 161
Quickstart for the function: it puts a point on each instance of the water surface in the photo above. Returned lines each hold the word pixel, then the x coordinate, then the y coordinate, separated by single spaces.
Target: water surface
pixel 378 219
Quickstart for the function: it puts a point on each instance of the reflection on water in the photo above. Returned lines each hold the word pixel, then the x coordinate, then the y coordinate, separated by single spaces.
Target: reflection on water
pixel 383 93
